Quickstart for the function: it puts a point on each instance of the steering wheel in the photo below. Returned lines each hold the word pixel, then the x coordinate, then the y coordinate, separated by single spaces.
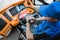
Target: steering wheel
pixel 28 11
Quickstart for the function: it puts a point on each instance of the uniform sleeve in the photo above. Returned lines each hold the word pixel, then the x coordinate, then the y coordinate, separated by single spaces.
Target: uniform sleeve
pixel 54 30
pixel 40 29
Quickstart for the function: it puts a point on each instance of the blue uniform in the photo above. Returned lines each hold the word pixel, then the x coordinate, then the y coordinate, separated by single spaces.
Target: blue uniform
pixel 50 28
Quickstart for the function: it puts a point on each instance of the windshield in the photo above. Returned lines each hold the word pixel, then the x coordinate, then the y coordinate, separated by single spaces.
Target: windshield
pixel 7 3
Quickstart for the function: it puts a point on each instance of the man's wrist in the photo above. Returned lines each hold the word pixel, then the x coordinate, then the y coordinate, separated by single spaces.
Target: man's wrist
pixel 41 18
pixel 27 21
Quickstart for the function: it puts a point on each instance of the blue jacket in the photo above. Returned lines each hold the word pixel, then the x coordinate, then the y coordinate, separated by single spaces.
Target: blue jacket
pixel 51 29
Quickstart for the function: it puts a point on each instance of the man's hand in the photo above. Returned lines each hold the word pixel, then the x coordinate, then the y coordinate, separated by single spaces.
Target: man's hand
pixel 29 35
pixel 41 18
pixel 29 18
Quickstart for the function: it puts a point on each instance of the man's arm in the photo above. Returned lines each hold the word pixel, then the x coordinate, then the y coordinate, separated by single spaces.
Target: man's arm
pixel 29 35
pixel 41 18
pixel 47 18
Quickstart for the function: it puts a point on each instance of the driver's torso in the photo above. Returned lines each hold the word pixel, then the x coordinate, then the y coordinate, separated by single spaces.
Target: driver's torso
pixel 49 28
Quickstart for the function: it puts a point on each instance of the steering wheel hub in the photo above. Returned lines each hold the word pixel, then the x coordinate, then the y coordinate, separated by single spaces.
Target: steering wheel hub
pixel 28 12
